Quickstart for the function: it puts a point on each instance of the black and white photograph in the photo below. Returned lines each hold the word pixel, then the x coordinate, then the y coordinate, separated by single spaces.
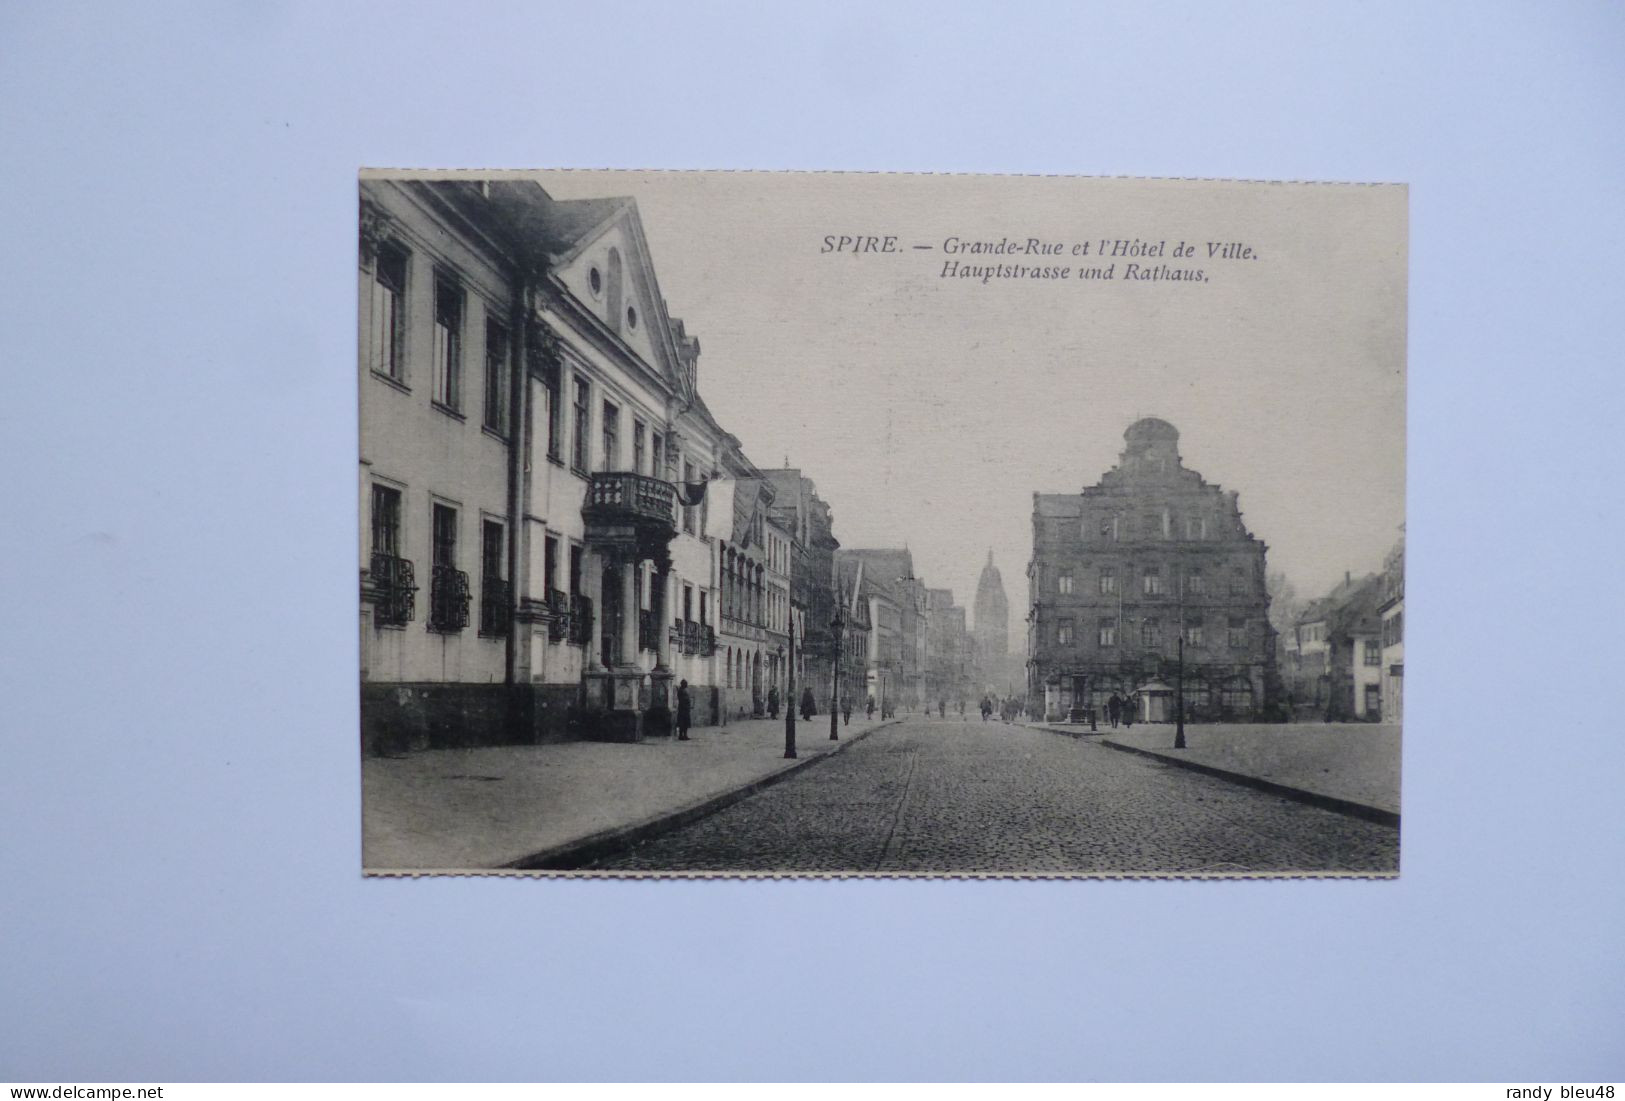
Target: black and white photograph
pixel 880 524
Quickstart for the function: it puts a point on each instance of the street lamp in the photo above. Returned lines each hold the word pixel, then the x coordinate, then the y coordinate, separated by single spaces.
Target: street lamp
pixel 1179 695
pixel 835 681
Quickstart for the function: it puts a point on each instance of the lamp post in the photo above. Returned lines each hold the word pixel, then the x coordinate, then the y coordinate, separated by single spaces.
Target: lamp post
pixel 790 693
pixel 1179 694
pixel 835 680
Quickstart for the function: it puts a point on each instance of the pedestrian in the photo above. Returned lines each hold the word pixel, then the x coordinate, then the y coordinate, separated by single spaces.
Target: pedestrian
pixel 846 711
pixel 685 711
pixel 807 705
pixel 773 702
pixel 987 708
pixel 870 708
pixel 1130 706
pixel 1114 710
pixel 942 709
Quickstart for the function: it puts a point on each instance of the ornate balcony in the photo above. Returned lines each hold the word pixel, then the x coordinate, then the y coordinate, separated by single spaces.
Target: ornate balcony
pixel 393 585
pixel 448 599
pixel 631 513
pixel 708 640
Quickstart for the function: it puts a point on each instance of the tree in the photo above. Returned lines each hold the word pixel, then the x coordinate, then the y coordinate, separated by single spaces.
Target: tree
pixel 1284 602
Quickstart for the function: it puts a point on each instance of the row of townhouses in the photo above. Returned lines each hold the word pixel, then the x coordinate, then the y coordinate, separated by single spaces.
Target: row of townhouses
pixel 556 531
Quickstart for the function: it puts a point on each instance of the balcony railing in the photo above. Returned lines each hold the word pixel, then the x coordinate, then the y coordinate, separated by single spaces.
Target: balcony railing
pixel 620 495
pixel 691 637
pixel 495 606
pixel 448 599
pixel 708 640
pixel 558 608
pixel 393 586
pixel 580 620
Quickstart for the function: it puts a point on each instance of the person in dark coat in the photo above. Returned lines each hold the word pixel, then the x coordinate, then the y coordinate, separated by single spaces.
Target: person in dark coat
pixel 807 705
pixel 846 711
pixel 870 708
pixel 685 711
pixel 1130 706
pixel 1114 709
pixel 773 702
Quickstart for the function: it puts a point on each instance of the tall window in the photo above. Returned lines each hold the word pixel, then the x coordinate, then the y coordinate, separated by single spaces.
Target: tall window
pixel 1110 527
pixel 1063 633
pixel 1193 581
pixel 1373 652
pixel 496 377
pixel 657 455
pixel 386 521
pixel 1238 581
pixel 637 448
pixel 550 564
pixel 1151 580
pixel 1063 583
pixel 578 457
pixel 612 436
pixel 448 340
pixel 392 576
pixel 688 511
pixel 388 351
pixel 493 586
pixel 1108 631
pixel 1193 630
pixel 1150 632
pixel 555 415
pixel 1108 582
pixel 448 595
pixel 1237 632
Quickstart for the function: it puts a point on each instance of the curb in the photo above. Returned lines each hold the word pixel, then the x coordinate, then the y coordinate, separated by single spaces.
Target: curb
pixel 1298 795
pixel 571 855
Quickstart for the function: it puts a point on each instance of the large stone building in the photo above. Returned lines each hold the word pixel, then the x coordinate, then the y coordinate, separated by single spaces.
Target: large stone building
pixel 1125 569
pixel 535 462
pixel 948 652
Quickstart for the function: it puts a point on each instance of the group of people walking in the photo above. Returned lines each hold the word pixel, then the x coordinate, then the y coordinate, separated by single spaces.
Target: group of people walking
pixel 809 707
pixel 1122 708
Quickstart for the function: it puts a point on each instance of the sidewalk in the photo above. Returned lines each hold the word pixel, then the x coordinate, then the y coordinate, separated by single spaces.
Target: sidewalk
pixel 1348 767
pixel 547 805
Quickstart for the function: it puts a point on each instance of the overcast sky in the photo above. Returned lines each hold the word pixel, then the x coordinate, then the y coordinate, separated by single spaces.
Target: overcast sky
pixel 929 410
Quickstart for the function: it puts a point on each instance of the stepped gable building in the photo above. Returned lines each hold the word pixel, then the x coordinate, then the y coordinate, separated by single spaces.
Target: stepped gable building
pixel 1123 570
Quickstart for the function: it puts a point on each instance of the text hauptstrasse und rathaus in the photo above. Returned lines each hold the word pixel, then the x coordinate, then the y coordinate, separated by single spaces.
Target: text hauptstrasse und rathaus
pixel 1124 569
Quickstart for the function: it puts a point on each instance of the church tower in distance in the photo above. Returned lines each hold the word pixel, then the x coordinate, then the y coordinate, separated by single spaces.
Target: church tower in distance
pixel 992 630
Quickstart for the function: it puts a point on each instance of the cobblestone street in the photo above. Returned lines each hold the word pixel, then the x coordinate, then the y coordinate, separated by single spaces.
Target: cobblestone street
pixel 948 796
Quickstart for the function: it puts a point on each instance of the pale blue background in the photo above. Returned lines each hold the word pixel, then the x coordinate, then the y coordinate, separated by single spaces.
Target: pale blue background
pixel 178 802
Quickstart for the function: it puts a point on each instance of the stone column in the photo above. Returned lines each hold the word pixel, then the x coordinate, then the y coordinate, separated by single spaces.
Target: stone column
pixel 629 613
pixel 594 583
pixel 664 614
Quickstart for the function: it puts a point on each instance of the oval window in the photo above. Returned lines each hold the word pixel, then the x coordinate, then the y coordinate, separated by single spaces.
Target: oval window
pixel 595 280
pixel 631 317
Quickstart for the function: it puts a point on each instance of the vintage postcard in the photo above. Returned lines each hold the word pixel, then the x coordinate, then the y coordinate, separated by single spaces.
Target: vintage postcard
pixel 778 524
